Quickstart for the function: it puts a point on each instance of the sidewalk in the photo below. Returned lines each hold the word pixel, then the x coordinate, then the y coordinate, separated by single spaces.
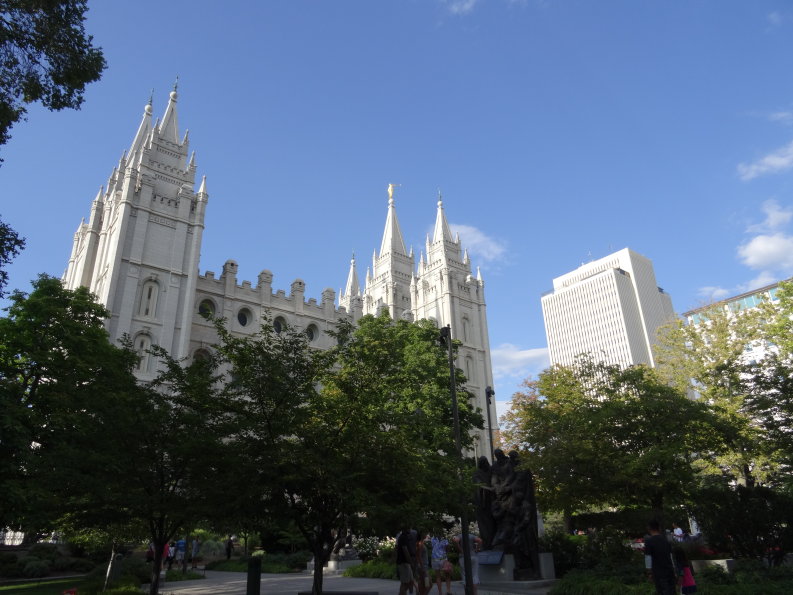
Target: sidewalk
pixel 234 583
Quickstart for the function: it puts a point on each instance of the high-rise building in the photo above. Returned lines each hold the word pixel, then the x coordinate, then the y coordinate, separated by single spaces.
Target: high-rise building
pixel 610 308
pixel 139 253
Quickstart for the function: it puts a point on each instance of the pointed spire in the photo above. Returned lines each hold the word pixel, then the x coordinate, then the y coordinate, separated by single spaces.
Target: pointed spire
pixel 192 160
pixel 203 188
pixel 368 276
pixel 478 274
pixel 392 236
pixel 442 231
pixel 169 127
pixel 99 194
pixel 466 260
pixel 143 131
pixel 353 287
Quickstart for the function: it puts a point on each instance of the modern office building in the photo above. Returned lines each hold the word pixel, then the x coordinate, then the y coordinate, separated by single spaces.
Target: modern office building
pixel 610 308
pixel 139 254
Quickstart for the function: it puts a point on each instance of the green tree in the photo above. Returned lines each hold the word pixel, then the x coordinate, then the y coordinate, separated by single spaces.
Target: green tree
pixel 707 360
pixel 55 359
pixel 147 461
pixel 10 246
pixel 46 56
pixel 362 428
pixel 597 435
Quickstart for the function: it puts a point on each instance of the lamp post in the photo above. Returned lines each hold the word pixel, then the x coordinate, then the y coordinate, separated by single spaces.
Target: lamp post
pixel 446 337
pixel 490 393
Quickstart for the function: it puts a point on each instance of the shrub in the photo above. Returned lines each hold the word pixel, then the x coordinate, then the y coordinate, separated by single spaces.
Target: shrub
pixel 35 568
pixel 377 568
pixel 366 547
pixel 44 551
pixel 566 549
pixel 82 565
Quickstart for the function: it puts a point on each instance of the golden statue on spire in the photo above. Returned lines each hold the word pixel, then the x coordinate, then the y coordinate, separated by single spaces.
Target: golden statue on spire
pixel 391 191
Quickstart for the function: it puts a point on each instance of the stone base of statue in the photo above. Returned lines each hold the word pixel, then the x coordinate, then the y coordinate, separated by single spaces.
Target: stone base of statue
pixel 336 565
pixel 498 567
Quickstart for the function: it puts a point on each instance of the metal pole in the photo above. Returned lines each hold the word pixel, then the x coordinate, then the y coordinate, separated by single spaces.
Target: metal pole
pixel 446 335
pixel 489 392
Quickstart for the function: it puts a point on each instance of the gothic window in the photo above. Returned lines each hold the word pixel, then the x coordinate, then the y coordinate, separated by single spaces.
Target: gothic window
pixel 469 369
pixel 279 324
pixel 148 299
pixel 312 332
pixel 244 317
pixel 206 308
pixel 201 354
pixel 466 329
pixel 142 345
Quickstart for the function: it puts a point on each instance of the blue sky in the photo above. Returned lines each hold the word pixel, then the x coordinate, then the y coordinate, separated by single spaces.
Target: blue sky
pixel 558 131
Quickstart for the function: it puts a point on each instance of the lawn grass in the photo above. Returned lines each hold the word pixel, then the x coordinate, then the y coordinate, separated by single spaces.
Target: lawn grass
pixel 45 586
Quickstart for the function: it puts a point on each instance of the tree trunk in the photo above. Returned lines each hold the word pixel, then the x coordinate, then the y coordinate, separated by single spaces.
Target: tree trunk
pixel 156 565
pixel 319 567
pixel 567 520
pixel 110 566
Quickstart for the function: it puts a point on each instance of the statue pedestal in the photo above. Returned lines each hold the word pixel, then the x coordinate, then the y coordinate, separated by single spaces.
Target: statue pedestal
pixel 504 570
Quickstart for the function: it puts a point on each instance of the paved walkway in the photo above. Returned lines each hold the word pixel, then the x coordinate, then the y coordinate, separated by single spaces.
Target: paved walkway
pixel 234 583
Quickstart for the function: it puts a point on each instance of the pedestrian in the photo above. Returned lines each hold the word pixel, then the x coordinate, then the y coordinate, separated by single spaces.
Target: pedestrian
pixel 195 546
pixel 423 562
pixel 686 578
pixel 181 550
pixel 440 563
pixel 229 547
pixel 406 559
pixel 474 545
pixel 658 553
pixel 150 553
pixel 171 554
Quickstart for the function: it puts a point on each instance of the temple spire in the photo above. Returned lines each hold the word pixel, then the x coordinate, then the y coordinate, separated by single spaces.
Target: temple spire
pixel 169 127
pixel 353 288
pixel 143 131
pixel 392 236
pixel 442 231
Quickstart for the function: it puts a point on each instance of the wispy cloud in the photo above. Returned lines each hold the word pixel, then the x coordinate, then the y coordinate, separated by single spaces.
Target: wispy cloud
pixel 711 293
pixel 480 246
pixel 459 6
pixel 510 361
pixel 768 250
pixel 774 18
pixel 776 162
pixel 776 217
pixel 783 116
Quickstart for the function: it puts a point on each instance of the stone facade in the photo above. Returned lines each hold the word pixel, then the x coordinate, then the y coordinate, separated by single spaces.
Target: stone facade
pixel 139 253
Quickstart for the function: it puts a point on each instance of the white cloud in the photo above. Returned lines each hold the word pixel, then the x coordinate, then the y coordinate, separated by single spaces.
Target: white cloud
pixel 774 18
pixel 768 252
pixel 510 361
pixel 480 246
pixel 778 161
pixel 763 279
pixel 775 217
pixel 713 294
pixel 460 6
pixel 785 117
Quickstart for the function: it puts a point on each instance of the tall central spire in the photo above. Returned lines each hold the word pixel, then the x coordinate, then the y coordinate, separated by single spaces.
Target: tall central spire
pixel 442 230
pixel 392 236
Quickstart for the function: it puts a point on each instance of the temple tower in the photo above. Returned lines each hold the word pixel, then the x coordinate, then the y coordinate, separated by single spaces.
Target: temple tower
pixel 139 251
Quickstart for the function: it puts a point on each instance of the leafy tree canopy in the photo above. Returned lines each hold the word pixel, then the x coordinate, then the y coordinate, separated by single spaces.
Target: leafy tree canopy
pixel 46 56
pixel 10 247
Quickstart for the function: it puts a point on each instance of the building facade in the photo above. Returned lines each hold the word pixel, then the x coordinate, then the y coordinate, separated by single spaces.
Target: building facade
pixel 610 308
pixel 139 253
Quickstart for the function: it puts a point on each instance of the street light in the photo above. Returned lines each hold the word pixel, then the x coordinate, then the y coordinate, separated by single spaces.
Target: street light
pixel 490 393
pixel 446 338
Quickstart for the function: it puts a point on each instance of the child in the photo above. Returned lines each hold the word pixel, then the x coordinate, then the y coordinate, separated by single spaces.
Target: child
pixel 687 584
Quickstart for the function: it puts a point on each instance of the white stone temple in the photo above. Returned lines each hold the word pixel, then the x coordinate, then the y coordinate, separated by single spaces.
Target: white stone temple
pixel 139 253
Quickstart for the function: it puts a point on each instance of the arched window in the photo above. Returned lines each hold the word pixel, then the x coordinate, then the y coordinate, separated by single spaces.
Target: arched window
pixel 469 369
pixel 244 317
pixel 148 299
pixel 279 324
pixel 142 346
pixel 466 329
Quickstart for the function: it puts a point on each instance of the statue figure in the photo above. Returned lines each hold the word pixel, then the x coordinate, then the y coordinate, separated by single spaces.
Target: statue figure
pixel 484 503
pixel 506 511
pixel 391 191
